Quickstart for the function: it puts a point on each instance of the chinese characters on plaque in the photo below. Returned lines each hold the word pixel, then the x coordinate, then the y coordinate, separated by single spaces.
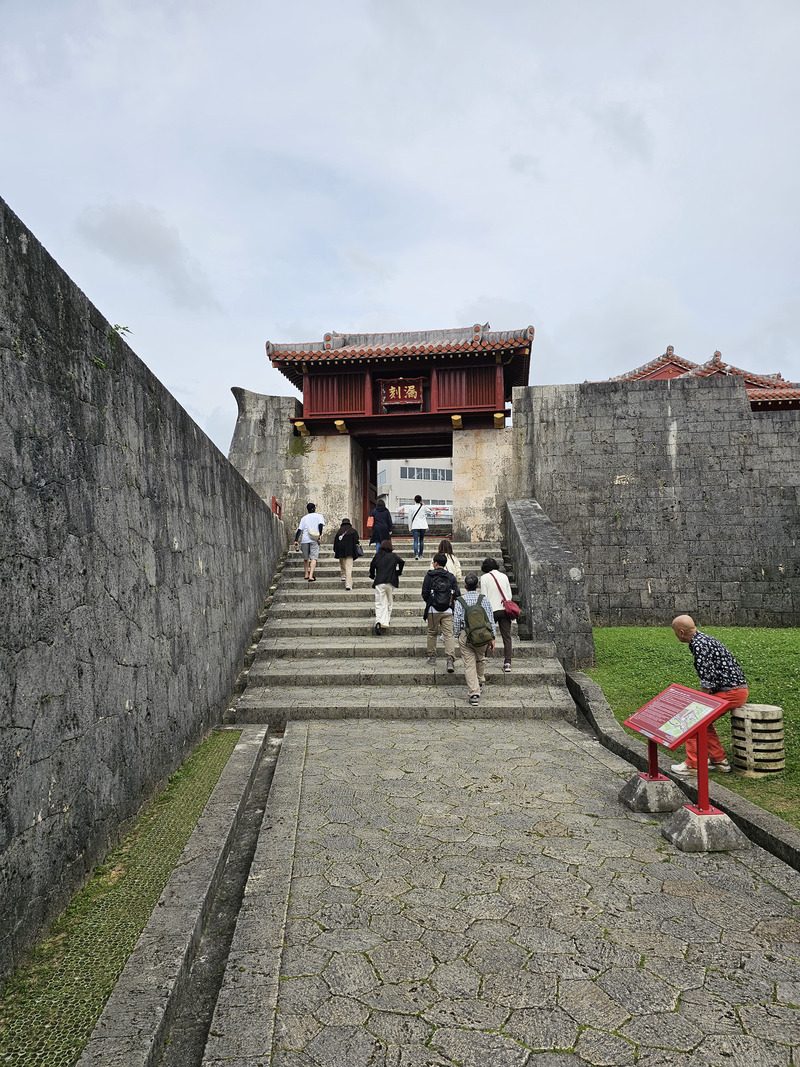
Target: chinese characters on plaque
pixel 401 391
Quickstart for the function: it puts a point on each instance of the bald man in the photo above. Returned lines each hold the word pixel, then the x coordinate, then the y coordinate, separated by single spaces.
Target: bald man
pixel 720 674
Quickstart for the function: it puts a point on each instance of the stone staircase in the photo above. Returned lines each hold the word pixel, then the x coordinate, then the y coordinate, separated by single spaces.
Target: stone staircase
pixel 318 658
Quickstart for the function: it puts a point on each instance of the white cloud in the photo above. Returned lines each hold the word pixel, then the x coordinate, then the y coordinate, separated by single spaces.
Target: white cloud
pixel 139 237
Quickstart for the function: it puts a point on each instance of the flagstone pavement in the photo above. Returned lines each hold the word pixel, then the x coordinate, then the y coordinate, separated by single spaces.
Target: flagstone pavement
pixel 440 893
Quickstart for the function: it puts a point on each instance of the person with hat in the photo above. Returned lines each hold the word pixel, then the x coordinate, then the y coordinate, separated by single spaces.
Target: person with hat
pixel 345 549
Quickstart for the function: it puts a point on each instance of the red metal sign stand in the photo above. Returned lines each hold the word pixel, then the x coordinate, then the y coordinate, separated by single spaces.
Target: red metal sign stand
pixel 653 774
pixel 703 806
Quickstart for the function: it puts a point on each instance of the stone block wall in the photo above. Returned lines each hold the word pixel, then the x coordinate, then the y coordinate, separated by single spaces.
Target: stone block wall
pixel 675 496
pixel 133 562
pixel 551 583
pixel 326 469
pixel 485 475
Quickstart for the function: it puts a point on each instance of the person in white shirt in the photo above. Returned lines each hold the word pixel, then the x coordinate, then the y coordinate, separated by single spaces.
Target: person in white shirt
pixel 497 588
pixel 452 565
pixel 309 534
pixel 417 515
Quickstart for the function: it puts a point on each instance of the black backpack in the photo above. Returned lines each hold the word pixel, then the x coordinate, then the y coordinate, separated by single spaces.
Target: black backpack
pixel 476 624
pixel 441 592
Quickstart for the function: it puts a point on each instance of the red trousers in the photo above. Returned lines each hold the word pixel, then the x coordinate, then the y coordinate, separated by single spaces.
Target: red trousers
pixel 716 753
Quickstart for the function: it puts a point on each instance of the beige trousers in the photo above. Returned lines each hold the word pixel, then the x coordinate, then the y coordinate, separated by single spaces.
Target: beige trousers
pixel 346 567
pixel 441 622
pixel 474 663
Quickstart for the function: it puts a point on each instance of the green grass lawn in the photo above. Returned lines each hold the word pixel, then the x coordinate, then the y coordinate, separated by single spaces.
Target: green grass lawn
pixel 634 663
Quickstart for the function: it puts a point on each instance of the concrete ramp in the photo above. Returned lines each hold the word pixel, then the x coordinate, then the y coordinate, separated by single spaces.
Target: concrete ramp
pixel 472 894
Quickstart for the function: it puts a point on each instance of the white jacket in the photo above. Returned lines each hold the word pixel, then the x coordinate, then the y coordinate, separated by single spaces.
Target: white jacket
pixel 489 588
pixel 453 566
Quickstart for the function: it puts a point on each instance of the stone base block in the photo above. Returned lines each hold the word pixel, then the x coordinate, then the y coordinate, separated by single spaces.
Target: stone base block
pixel 691 832
pixel 641 794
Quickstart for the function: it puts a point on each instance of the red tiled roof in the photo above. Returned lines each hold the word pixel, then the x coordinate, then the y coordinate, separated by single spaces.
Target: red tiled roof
pixel 660 367
pixel 345 348
pixel 336 346
pixel 760 387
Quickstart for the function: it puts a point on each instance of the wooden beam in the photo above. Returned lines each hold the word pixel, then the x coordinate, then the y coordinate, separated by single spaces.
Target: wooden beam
pixel 302 428
pixel 499 420
pixel 340 426
pixel 456 421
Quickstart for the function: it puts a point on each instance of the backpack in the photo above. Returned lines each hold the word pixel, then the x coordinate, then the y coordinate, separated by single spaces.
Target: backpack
pixel 476 625
pixel 441 593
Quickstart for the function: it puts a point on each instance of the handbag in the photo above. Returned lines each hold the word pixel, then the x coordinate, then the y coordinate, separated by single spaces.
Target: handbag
pixel 359 551
pixel 370 522
pixel 512 609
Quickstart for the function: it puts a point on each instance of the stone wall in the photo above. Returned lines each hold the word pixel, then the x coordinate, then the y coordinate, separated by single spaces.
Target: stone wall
pixel 133 563
pixel 485 475
pixel 326 469
pixel 674 495
pixel 551 583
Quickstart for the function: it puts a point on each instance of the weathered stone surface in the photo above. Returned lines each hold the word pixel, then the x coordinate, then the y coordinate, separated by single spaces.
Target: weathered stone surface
pixel 641 795
pixel 135 561
pixel 691 832
pixel 643 478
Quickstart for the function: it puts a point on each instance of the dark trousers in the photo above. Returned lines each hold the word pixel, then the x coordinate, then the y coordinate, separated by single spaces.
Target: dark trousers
pixel 504 623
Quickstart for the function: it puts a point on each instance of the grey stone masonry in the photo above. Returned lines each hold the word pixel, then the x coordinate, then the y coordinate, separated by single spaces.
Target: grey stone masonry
pixel 133 563
pixel 319 657
pixel 551 583
pixel 675 496
pixel 472 893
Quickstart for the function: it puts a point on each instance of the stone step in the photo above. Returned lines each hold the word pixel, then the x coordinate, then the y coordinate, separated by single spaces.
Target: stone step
pixel 405 608
pixel 307 625
pixel 276 644
pixel 277 706
pixel 396 671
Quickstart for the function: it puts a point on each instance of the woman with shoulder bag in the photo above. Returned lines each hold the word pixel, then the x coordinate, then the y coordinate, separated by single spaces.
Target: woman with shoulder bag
pixel 496 587
pixel 345 549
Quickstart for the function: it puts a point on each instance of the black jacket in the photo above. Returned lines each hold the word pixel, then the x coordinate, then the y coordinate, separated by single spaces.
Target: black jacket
pixel 386 568
pixel 344 544
pixel 382 524
pixel 426 585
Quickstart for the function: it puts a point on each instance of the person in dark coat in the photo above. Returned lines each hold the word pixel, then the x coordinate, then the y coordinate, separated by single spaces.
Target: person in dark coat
pixel 381 524
pixel 385 570
pixel 344 549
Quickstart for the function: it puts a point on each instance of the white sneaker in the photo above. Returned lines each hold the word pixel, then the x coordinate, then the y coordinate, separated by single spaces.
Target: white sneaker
pixel 722 766
pixel 683 770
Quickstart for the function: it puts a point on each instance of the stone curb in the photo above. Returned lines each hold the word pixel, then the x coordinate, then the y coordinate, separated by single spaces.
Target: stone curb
pixel 242 1029
pixel 131 1029
pixel 767 830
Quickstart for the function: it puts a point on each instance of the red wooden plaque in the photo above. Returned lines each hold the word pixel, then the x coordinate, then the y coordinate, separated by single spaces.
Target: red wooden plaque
pixel 401 391
pixel 670 717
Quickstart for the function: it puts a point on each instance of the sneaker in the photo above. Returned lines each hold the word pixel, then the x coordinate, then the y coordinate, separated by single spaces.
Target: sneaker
pixel 416 557
pixel 431 661
pixel 348 588
pixel 722 766
pixel 451 665
pixel 507 667
pixel 683 770
pixel 377 627
pixel 474 698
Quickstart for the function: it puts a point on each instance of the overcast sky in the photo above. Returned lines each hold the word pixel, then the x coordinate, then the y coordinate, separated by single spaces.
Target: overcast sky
pixel 621 174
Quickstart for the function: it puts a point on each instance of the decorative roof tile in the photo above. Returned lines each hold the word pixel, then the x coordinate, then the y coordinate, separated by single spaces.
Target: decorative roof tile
pixel 760 387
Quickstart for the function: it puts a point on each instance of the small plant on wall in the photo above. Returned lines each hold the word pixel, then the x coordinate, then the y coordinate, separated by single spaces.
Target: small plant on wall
pixel 299 446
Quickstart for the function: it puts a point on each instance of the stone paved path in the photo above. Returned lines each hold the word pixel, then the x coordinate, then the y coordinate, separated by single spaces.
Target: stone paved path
pixel 440 893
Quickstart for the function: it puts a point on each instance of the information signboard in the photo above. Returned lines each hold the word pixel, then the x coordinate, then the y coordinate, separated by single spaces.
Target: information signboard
pixel 676 713
pixel 669 719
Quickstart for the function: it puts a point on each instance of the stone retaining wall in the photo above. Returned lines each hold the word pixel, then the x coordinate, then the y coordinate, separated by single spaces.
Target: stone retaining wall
pixel 551 583
pixel 133 562
pixel 674 495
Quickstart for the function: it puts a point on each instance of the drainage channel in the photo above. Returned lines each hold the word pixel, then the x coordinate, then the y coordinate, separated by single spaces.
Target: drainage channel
pixel 186 1040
